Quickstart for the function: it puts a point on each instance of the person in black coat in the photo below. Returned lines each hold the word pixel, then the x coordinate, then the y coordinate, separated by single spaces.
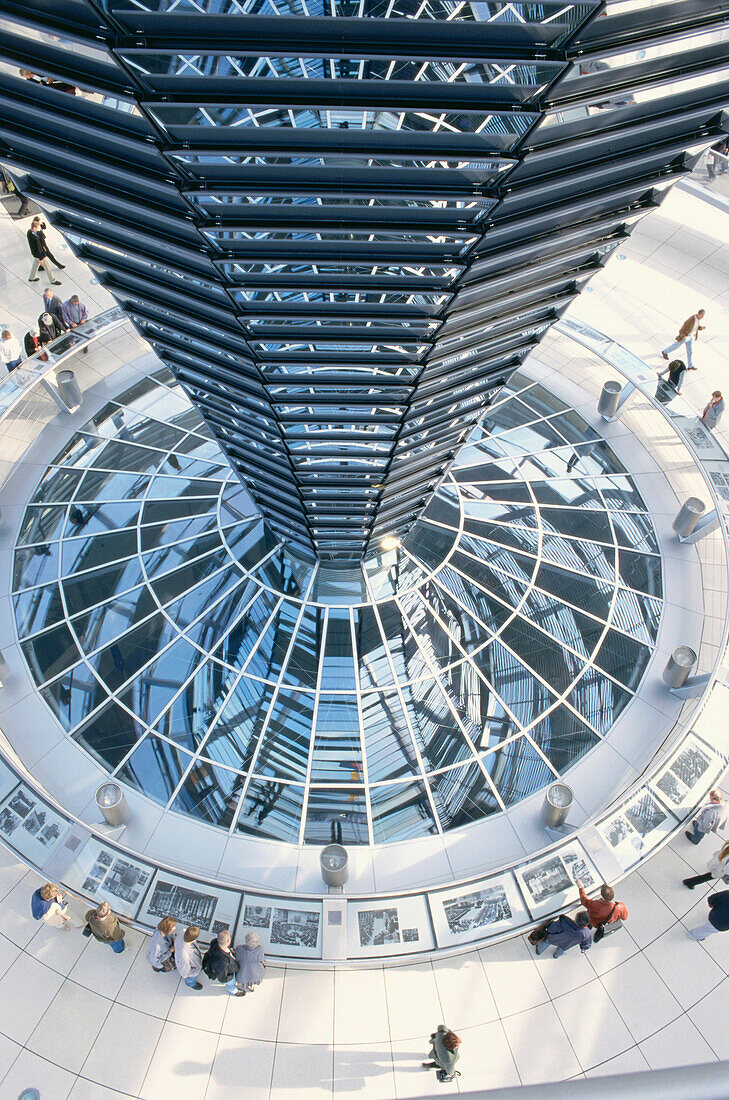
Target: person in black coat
pixel 718 916
pixel 41 253
pixel 48 328
pixel 221 965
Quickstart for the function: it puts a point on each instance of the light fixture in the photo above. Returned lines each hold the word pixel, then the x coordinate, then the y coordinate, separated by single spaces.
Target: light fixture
pixel 390 542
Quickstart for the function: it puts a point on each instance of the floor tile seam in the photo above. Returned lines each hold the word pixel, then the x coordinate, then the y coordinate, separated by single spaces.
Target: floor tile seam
pixel 20 1049
pixel 606 1061
pixel 630 1029
pixel 48 1009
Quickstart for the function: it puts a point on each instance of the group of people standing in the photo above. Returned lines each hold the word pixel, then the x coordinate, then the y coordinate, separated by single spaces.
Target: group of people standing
pixel 600 917
pixel 240 969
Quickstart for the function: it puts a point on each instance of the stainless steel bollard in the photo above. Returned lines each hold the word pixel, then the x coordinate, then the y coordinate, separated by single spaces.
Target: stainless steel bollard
pixel 609 399
pixel 691 512
pixel 679 666
pixel 334 863
pixel 112 803
pixel 557 804
pixel 69 389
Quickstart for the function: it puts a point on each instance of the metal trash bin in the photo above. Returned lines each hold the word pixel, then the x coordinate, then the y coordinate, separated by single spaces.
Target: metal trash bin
pixel 334 863
pixel 691 512
pixel 557 805
pixel 112 803
pixel 69 389
pixel 679 666
pixel 607 406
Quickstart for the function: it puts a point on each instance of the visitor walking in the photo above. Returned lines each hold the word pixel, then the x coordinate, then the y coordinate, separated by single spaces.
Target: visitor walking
pixel 687 334
pixel 10 350
pixel 444 1053
pixel 565 932
pixel 605 913
pixel 718 867
pixel 675 371
pixel 52 304
pixel 220 964
pixel 188 958
pixel 161 950
pixel 48 904
pixel 709 819
pixel 48 328
pixel 713 412
pixel 718 916
pixel 105 927
pixel 251 962
pixel 41 253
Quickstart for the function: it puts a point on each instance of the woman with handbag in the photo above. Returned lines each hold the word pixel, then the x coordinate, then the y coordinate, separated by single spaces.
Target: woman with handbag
pixel 718 867
pixel 444 1052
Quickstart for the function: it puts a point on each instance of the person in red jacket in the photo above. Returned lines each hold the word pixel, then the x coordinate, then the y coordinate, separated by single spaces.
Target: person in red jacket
pixel 605 909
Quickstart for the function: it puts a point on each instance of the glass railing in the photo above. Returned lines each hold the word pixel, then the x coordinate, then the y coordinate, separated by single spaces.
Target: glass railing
pixel 56 354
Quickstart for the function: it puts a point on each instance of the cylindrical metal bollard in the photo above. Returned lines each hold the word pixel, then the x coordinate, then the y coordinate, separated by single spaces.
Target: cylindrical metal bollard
pixel 3 669
pixel 112 803
pixel 557 804
pixel 691 512
pixel 679 666
pixel 609 399
pixel 69 389
pixel 334 863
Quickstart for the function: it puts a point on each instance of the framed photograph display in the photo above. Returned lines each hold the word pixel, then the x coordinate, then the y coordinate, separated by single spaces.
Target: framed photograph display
pixel 289 928
pixel 8 779
pixel 549 883
pixel 467 913
pixel 104 874
pixel 688 776
pixel 636 828
pixel 388 926
pixel 189 902
pixel 29 825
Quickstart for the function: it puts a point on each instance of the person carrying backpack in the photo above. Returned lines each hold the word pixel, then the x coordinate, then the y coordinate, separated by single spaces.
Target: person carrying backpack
pixel 606 914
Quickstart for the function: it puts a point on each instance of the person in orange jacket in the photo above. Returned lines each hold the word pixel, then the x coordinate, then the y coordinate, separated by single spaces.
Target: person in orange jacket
pixel 603 910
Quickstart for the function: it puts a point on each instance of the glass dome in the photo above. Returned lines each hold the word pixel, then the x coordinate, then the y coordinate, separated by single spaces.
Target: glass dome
pixel 201 661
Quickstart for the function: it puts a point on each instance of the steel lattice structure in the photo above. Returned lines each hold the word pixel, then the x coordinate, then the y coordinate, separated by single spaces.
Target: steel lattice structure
pixel 342 224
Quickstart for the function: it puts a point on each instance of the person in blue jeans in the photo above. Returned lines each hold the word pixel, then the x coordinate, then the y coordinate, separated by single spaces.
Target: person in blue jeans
pixel 105 927
pixel 221 965
pixel 565 932
pixel 188 958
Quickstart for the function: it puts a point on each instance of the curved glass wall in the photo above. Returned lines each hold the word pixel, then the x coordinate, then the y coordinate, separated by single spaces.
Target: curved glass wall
pixel 200 660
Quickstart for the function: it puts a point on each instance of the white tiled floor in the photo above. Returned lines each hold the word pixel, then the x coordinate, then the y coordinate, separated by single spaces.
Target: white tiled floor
pixel 78 1021
pixel 84 1032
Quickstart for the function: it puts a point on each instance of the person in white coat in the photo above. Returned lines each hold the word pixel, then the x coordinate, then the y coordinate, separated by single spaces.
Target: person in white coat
pixel 709 819
pixel 188 958
pixel 161 950
pixel 718 867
